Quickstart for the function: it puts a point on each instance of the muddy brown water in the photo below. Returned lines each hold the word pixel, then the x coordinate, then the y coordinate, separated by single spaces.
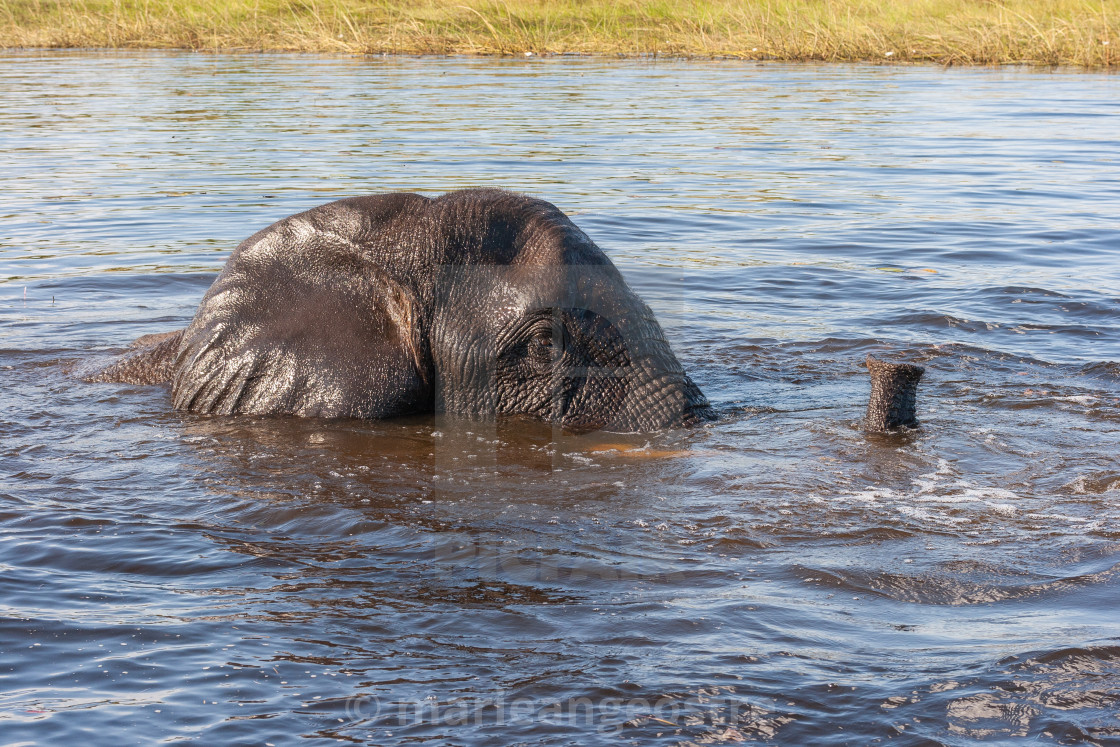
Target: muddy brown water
pixel 778 577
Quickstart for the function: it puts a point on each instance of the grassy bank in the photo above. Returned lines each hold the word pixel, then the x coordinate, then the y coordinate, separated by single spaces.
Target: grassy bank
pixel 1070 32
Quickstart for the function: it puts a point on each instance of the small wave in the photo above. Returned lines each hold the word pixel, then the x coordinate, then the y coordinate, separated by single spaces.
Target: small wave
pixel 988 715
pixel 1103 369
pixel 1096 482
pixel 1066 694
pixel 871 535
pixel 1023 290
pixel 953 586
pixel 1077 660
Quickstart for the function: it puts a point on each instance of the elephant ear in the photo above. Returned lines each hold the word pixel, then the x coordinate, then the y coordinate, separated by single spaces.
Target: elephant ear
pixel 327 334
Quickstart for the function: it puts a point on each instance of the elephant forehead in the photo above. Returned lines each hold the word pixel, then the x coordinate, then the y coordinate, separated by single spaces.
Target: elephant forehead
pixel 512 287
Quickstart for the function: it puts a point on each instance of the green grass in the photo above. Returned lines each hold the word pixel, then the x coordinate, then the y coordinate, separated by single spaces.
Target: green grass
pixel 971 32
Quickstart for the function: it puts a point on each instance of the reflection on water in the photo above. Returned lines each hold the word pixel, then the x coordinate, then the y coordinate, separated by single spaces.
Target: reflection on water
pixel 779 576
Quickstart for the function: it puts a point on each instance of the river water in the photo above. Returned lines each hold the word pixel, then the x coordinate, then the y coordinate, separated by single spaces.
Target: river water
pixel 779 577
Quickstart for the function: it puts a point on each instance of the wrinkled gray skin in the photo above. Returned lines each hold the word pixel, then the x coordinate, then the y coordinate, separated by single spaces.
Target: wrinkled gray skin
pixel 479 303
pixel 894 393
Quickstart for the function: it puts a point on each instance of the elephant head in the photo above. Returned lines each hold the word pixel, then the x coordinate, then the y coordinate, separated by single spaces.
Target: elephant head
pixel 479 303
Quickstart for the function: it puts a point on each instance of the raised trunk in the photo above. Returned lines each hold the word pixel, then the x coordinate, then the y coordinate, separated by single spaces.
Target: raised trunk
pixel 894 388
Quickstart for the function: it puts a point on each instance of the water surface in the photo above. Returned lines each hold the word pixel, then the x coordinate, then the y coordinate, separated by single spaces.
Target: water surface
pixel 779 577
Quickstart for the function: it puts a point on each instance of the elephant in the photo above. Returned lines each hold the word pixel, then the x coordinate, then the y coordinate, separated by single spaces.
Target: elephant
pixel 479 303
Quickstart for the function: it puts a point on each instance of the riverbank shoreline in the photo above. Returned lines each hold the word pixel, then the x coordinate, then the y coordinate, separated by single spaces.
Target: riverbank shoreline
pixel 946 32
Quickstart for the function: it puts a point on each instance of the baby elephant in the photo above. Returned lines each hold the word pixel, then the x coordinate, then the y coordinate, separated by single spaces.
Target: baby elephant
pixel 479 303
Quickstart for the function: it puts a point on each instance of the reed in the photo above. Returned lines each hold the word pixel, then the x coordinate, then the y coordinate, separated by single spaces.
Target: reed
pixel 970 32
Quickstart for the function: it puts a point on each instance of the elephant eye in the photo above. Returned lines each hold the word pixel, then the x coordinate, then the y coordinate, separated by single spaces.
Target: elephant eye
pixel 544 339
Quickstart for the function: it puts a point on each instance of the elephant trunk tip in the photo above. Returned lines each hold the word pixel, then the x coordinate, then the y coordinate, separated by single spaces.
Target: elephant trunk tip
pixel 894 388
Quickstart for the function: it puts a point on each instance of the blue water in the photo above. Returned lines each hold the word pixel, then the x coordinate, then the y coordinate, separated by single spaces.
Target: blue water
pixel 779 577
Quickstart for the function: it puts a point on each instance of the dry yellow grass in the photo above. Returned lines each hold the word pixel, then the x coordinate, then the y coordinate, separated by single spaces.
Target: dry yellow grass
pixel 1048 32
